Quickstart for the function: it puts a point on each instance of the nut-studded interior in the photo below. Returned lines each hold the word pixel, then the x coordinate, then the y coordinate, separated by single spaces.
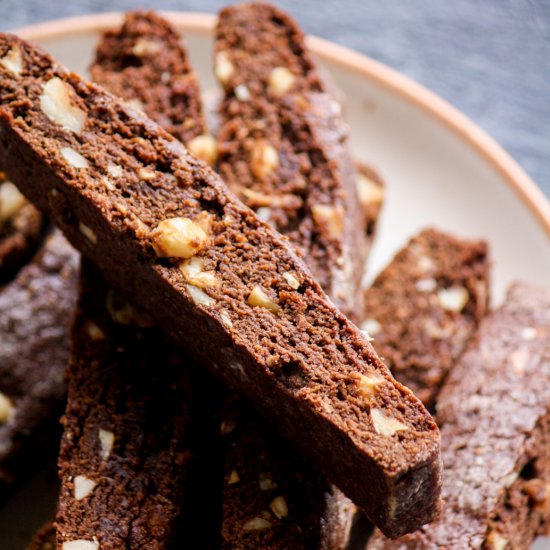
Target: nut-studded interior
pixel 284 150
pixel 425 306
pixel 495 429
pixel 128 64
pixel 303 357
pixel 126 428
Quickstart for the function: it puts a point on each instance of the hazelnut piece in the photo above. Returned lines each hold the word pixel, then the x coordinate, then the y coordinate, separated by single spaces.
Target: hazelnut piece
pixel 384 424
pixel 57 103
pixel 264 159
pixel 205 148
pixel 11 201
pixel 280 81
pixel 178 238
pixel 13 61
pixel 259 298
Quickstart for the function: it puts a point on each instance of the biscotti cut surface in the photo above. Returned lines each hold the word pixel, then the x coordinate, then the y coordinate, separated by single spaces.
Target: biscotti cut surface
pixel 494 414
pixel 272 497
pixel 155 464
pixel 246 306
pixel 124 455
pixel 21 230
pixel 35 311
pixel 283 145
pixel 425 306
pixel 144 63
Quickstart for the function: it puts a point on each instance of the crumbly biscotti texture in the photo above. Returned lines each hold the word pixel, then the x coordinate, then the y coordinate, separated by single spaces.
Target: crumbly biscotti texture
pixel 144 63
pixel 21 230
pixel 494 413
pixel 157 462
pixel 283 145
pixel 44 538
pixel 124 454
pixel 35 311
pixel 255 315
pixel 272 497
pixel 425 306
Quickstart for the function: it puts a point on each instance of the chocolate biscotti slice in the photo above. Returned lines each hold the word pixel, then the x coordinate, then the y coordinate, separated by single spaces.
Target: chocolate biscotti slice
pixel 494 413
pixel 124 455
pixel 283 145
pixel 21 230
pixel 165 230
pixel 425 306
pixel 35 311
pixel 144 63
pixel 272 497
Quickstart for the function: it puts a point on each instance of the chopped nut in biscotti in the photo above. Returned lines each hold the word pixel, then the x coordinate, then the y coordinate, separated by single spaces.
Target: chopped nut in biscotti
pixel 146 47
pixel 529 333
pixel 7 410
pixel 106 442
pixel 266 482
pixel 83 487
pixel 370 193
pixel 57 103
pixel 368 384
pixel 384 424
pixel 194 273
pixel 280 81
pixel 94 332
pixel 205 148
pixel 13 61
pixel 259 298
pixel 80 544
pixel 264 159
pixel 329 218
pixel 292 281
pixel 256 524
pixel 233 477
pixel 453 299
pixel 11 201
pixel 279 507
pixel 178 238
pixel 74 158
pixel 88 232
pixel 124 313
pixel 242 93
pixel 495 541
pixel 223 68
pixel 199 296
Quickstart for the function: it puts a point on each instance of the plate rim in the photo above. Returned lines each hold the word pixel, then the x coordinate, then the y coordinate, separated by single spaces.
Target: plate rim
pixel 409 90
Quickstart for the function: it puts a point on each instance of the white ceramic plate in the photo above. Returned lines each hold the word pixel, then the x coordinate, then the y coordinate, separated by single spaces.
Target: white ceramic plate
pixel 439 167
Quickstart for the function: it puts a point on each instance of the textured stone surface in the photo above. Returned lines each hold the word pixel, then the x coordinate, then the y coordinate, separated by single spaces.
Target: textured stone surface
pixel 489 59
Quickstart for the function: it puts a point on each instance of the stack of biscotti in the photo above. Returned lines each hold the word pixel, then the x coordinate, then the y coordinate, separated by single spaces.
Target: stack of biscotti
pixel 128 385
pixel 282 145
pixel 21 229
pixel 35 313
pixel 494 415
pixel 289 349
pixel 280 133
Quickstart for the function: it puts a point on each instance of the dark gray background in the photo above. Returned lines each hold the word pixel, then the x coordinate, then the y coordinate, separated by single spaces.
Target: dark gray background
pixel 489 58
